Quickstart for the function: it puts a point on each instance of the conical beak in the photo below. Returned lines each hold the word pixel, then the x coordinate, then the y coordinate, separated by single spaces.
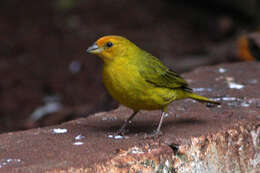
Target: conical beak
pixel 94 49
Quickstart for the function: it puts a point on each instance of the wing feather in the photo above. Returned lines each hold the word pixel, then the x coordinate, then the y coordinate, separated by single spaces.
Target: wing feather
pixel 154 72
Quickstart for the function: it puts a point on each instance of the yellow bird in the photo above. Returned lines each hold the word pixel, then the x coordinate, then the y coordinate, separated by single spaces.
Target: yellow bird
pixel 139 80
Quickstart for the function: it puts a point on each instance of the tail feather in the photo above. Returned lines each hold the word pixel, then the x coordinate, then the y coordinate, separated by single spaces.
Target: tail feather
pixel 201 98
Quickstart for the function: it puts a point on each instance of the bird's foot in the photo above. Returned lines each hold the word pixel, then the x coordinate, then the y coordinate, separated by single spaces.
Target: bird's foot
pixel 121 132
pixel 156 134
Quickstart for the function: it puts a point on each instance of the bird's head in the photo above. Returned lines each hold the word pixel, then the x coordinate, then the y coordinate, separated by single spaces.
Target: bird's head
pixel 112 47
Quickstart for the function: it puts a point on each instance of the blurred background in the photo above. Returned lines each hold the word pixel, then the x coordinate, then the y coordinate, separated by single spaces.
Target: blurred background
pixel 48 78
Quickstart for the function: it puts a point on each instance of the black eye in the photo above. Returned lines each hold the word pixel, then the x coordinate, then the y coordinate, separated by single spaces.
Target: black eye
pixel 109 44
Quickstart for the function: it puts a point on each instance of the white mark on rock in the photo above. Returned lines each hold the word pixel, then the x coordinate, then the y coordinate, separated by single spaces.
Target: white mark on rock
pixel 201 89
pixel 110 136
pixel 216 99
pixel 221 70
pixel 241 148
pixel 245 104
pixel 9 161
pixel 234 85
pixel 117 137
pixel 229 98
pixel 79 137
pixel 136 150
pixel 193 101
pixel 234 101
pixel 166 166
pixel 167 163
pixel 59 130
pixel 165 170
pixel 78 143
pixel 108 118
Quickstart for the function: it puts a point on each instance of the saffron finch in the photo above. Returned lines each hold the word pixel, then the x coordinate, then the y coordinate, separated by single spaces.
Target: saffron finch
pixel 139 80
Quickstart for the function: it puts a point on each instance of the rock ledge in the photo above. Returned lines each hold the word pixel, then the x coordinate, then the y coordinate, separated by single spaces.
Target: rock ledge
pixel 195 138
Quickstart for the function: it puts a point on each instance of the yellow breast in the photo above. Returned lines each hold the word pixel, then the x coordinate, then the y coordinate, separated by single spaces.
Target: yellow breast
pixel 125 84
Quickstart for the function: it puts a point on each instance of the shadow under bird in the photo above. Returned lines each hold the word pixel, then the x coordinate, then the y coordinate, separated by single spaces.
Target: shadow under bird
pixel 139 80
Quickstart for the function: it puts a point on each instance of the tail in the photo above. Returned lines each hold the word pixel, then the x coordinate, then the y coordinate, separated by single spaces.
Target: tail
pixel 201 98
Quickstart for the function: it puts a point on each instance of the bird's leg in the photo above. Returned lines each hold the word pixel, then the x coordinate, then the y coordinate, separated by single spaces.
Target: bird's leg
pixel 157 132
pixel 122 129
pixel 164 114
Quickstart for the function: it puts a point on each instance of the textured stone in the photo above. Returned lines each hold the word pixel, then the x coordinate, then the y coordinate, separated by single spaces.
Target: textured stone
pixel 196 138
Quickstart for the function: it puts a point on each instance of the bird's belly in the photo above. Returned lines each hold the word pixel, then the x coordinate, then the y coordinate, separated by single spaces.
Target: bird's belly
pixel 134 92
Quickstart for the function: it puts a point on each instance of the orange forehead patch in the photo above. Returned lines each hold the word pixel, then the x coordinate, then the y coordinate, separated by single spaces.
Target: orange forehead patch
pixel 105 39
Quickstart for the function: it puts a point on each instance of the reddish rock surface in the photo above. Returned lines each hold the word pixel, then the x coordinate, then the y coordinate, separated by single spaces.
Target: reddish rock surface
pixel 190 128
